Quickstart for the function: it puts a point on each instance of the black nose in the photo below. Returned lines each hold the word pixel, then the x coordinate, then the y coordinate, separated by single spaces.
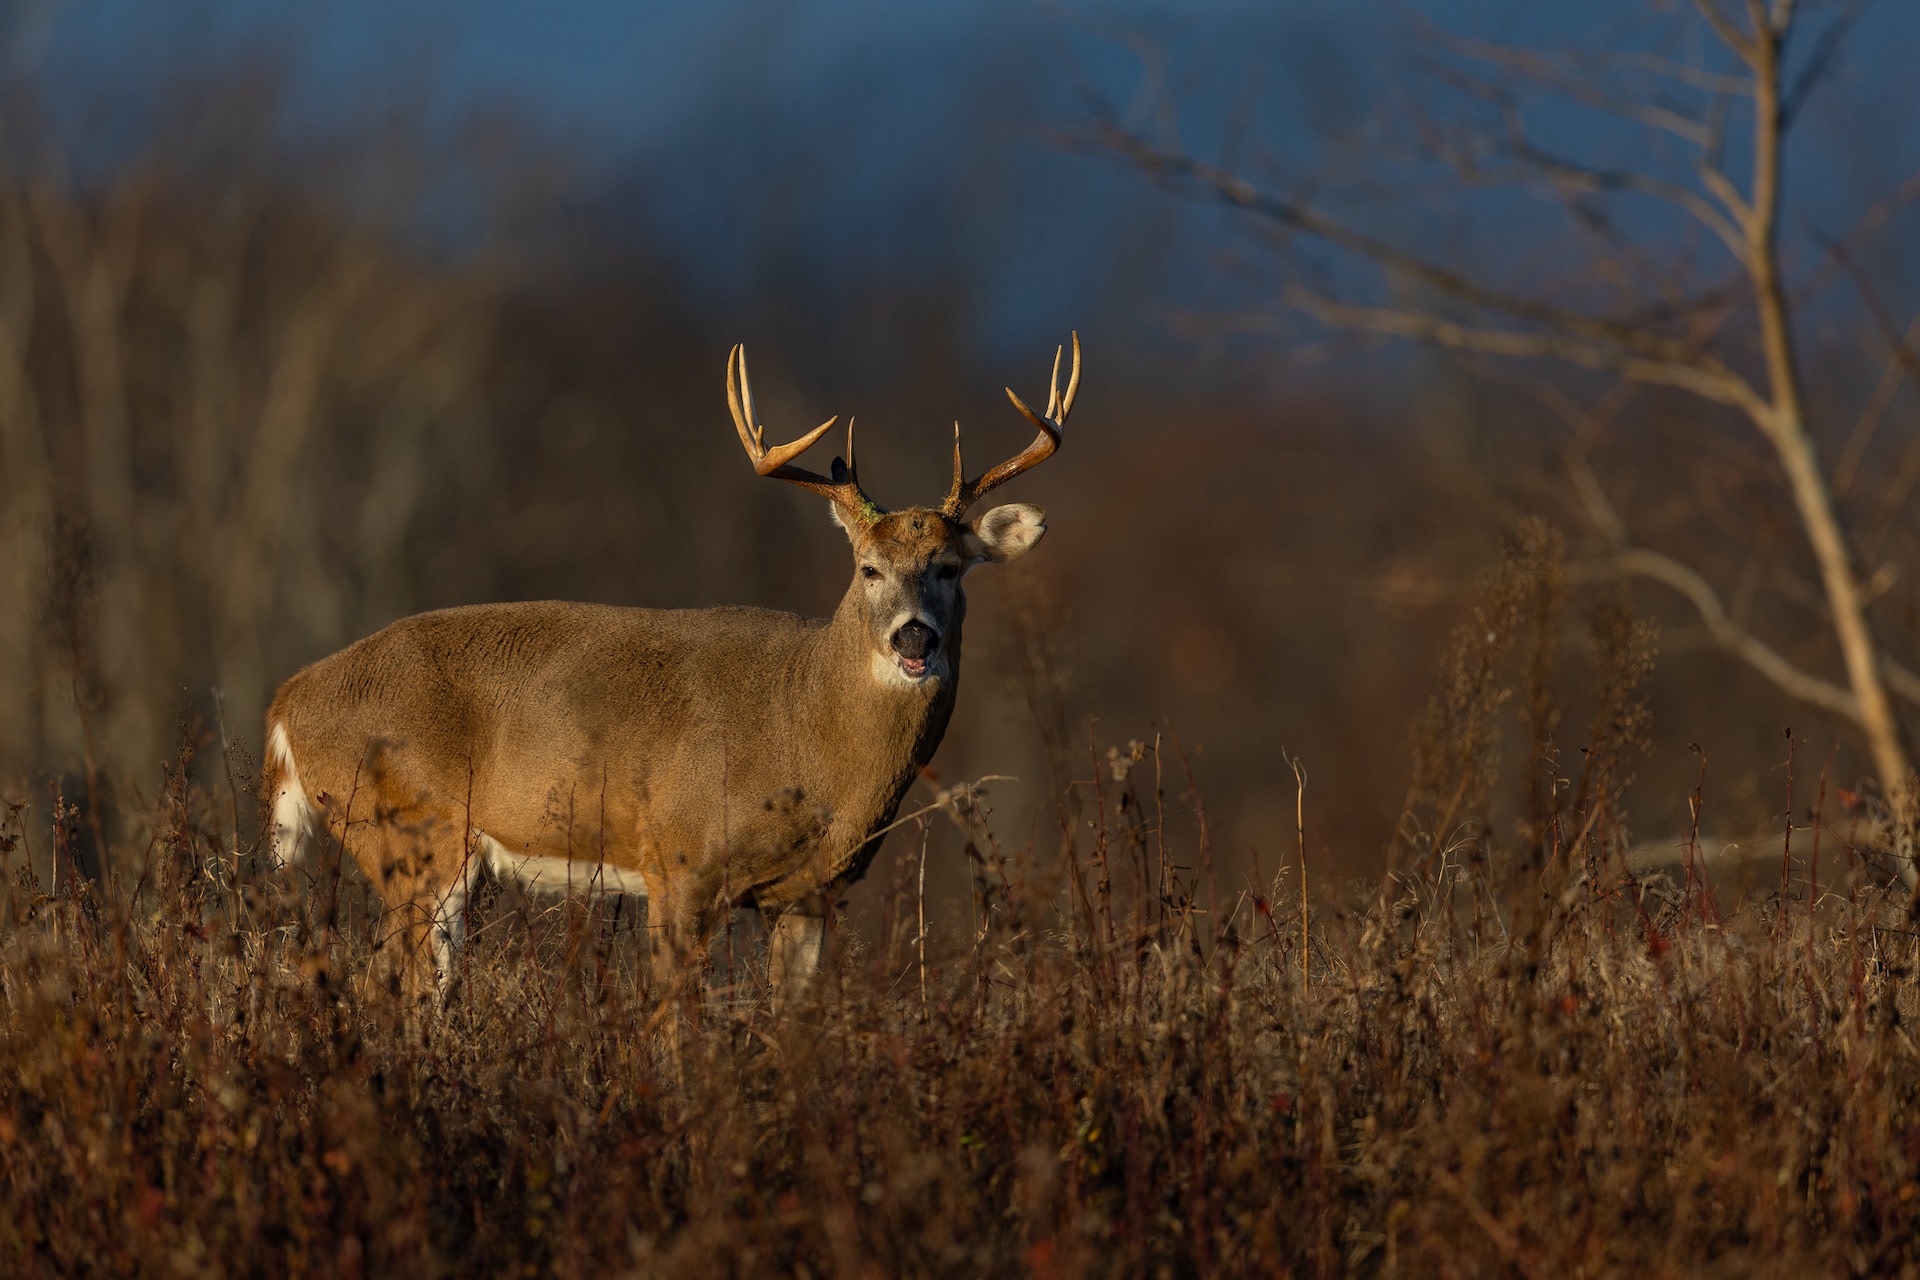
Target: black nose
pixel 915 640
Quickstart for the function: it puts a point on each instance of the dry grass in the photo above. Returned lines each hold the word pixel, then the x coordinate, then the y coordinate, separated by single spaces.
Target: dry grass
pixel 1510 1056
pixel 1577 1084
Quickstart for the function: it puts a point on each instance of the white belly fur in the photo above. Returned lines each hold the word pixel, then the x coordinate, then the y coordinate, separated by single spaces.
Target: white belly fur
pixel 558 875
pixel 293 824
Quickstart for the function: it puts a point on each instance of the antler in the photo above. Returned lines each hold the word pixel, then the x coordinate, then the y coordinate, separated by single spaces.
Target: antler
pixel 967 492
pixel 777 463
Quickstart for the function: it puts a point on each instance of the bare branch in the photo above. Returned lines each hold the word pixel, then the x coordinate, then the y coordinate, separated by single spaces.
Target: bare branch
pixel 1890 331
pixel 1902 681
pixel 1902 364
pixel 1529 164
pixel 1730 35
pixel 1584 178
pixel 1593 495
pixel 1578 84
pixel 1713 383
pixel 1819 62
pixel 1870 222
pixel 1716 182
pixel 1643 563
pixel 1187 175
pixel 1588 178
pixel 1687 74
pixel 1894 497
pixel 1731 636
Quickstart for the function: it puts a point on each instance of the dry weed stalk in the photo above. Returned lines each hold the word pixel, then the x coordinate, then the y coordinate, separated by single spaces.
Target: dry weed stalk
pixel 231 1090
pixel 227 1084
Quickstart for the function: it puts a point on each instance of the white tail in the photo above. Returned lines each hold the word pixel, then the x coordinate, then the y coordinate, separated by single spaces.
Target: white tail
pixel 292 820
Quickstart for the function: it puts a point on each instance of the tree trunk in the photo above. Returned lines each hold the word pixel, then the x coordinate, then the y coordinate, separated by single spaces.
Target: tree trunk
pixel 1785 427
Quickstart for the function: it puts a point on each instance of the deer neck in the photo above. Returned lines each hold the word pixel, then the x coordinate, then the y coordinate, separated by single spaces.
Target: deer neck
pixel 889 724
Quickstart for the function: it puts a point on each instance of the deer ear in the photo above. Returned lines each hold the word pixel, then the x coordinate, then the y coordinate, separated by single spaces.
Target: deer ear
pixel 1004 533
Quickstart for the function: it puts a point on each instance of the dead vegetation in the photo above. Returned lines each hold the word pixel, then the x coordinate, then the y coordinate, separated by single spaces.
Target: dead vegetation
pixel 1515 1058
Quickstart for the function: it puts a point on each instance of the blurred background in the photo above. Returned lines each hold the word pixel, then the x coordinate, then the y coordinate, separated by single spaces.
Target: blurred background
pixel 312 317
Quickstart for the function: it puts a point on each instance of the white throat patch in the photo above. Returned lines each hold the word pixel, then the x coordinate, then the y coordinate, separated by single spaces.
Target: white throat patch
pixel 885 670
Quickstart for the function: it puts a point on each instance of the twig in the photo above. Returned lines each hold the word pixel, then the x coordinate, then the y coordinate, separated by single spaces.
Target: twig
pixel 925 835
pixel 1300 829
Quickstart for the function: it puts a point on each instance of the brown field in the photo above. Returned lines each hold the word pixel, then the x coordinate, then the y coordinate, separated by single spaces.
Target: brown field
pixel 1115 1060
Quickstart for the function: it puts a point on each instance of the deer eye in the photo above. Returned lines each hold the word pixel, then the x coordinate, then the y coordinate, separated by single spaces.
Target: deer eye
pixel 947 572
pixel 868 572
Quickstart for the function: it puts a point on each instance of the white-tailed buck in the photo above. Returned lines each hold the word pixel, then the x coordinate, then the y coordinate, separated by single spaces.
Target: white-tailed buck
pixel 703 758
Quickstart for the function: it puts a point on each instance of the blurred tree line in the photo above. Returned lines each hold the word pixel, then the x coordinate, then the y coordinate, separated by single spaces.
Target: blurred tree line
pixel 256 401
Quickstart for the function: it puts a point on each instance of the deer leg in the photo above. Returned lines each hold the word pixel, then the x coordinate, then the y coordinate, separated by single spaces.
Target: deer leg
pixel 449 928
pixel 676 965
pixel 391 865
pixel 677 947
pixel 793 952
pixel 420 868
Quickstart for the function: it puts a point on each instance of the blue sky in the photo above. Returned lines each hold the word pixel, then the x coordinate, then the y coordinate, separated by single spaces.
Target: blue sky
pixel 836 140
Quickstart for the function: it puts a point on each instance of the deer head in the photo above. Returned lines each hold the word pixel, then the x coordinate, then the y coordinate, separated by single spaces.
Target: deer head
pixel 905 596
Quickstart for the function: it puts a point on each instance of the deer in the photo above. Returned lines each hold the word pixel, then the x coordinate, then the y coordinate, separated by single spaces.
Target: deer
pixel 703 760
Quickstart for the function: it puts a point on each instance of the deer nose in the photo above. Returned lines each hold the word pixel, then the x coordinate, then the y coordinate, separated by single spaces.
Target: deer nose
pixel 915 640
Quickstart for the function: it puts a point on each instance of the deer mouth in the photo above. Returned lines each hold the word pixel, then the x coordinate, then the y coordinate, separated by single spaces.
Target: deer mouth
pixel 913 648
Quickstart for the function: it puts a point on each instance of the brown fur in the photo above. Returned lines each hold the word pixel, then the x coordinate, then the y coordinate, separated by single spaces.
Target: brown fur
pixel 731 756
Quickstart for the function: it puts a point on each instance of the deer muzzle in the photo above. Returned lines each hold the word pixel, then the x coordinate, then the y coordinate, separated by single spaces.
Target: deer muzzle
pixel 915 643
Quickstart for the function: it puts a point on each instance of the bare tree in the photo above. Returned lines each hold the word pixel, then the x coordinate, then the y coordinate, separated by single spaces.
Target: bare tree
pixel 197 388
pixel 1711 131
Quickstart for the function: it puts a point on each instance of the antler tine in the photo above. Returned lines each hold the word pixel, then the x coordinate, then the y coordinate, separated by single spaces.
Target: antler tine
pixel 965 493
pixel 952 506
pixel 1053 388
pixel 1058 406
pixel 746 398
pixel 845 472
pixel 1073 379
pixel 777 458
pixel 740 420
pixel 777 463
